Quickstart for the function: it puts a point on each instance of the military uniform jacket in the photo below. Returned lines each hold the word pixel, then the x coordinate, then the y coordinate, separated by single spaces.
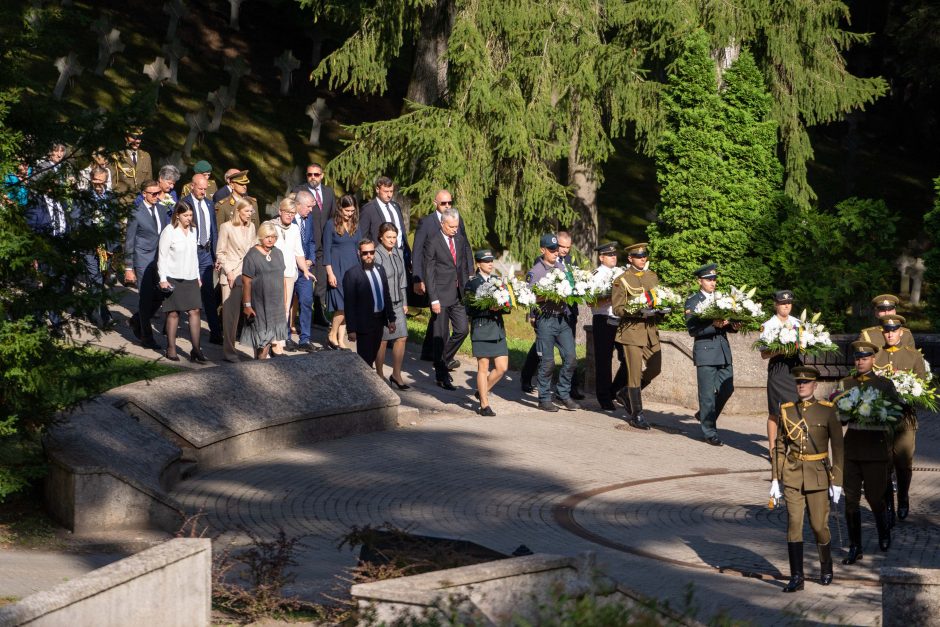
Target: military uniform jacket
pixel 225 209
pixel 711 346
pixel 486 325
pixel 870 444
pixel 876 337
pixel 634 330
pixel 902 358
pixel 806 429
pixel 126 178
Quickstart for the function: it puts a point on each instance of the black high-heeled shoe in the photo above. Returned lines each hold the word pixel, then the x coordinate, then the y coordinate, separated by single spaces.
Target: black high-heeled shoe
pixel 196 355
pixel 400 386
pixel 171 357
pixel 331 346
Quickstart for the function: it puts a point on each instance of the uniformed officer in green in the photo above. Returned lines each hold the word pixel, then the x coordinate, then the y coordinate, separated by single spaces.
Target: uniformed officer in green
pixel 867 457
pixel 487 335
pixel 894 356
pixel 225 208
pixel 801 463
pixel 637 333
pixel 885 305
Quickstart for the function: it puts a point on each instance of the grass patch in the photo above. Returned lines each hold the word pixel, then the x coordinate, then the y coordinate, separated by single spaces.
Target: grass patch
pixel 24 524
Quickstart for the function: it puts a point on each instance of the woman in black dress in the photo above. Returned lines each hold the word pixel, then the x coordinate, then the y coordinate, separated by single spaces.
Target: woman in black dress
pixel 780 386
pixel 178 271
pixel 487 335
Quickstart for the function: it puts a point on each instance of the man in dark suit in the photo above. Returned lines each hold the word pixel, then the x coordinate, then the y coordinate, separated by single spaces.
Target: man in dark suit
pixel 140 260
pixel 207 235
pixel 430 225
pixel 368 303
pixel 711 355
pixel 446 275
pixel 323 210
pixel 303 287
pixel 383 209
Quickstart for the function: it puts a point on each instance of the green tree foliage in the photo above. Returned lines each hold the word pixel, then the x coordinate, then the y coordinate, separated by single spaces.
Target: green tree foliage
pixel 836 261
pixel 932 258
pixel 718 169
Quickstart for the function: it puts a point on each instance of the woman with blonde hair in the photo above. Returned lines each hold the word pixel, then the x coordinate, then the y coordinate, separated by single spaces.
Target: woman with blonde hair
pixel 340 253
pixel 288 242
pixel 236 238
pixel 263 293
pixel 178 271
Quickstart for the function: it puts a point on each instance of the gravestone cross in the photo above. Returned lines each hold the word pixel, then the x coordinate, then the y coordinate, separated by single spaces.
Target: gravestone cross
pixel 198 121
pixel 319 113
pixel 174 51
pixel 108 44
pixel 68 67
pixel 291 178
pixel 176 10
pixel 287 63
pixel 236 68
pixel 222 102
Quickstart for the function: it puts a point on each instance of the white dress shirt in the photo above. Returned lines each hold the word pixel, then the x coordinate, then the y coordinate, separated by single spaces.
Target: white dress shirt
pixel 288 241
pixel 178 257
pixel 390 215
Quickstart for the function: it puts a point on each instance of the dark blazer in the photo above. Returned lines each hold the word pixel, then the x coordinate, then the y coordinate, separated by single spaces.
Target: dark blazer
pixel 190 202
pixel 444 280
pixel 432 224
pixel 142 238
pixel 371 218
pixel 359 304
pixel 223 192
pixel 321 215
pixel 308 244
pixel 711 344
pixel 38 218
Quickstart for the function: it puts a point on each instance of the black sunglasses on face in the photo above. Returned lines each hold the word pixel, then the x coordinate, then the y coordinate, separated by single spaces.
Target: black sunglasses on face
pixel 365 253
pixel 314 173
pixel 447 203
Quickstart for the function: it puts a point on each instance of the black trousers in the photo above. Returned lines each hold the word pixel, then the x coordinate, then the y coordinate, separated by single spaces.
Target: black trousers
pixel 209 301
pixel 604 346
pixel 149 298
pixel 368 342
pixel 450 329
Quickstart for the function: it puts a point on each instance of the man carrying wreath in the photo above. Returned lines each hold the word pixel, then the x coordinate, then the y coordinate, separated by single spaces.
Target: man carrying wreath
pixel 638 332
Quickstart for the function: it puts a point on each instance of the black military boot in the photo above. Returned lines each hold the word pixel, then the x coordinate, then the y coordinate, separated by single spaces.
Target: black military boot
pixel 825 563
pixel 884 532
pixel 889 505
pixel 904 489
pixel 636 406
pixel 624 397
pixel 795 550
pixel 854 523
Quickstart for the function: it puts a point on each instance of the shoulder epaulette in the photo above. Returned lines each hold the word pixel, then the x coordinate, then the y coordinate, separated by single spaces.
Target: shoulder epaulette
pixel 782 405
pixel 825 403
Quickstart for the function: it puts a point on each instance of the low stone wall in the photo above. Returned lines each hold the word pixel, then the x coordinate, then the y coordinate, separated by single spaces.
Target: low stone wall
pixel 166 586
pixel 496 593
pixel 910 596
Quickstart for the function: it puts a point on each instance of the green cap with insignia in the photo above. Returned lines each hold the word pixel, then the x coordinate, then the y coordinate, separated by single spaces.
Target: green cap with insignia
pixel 861 348
pixel 641 249
pixel 202 167
pixel 708 271
pixel 240 177
pixel 804 373
pixel 883 302
pixel 891 323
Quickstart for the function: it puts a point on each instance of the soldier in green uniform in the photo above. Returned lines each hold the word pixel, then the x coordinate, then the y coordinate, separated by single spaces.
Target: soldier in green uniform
pixel 130 167
pixel 801 464
pixel 638 333
pixel 225 208
pixel 894 356
pixel 867 457
pixel 885 305
pixel 203 168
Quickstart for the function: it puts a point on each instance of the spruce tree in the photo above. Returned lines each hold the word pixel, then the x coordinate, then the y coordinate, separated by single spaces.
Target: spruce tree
pixel 718 170
pixel 932 259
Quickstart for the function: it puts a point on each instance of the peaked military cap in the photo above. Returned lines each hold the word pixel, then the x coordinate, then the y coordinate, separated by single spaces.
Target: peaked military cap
pixel 484 254
pixel 638 250
pixel 885 301
pixel 135 131
pixel 202 167
pixel 610 248
pixel 782 297
pixel 240 177
pixel 861 348
pixel 804 373
pixel 708 271
pixel 890 323
pixel 548 241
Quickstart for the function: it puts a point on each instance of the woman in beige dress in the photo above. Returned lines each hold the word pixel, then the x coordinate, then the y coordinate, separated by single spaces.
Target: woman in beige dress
pixel 236 237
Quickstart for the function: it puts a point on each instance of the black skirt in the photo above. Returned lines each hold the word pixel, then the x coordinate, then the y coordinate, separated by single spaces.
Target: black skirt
pixel 185 295
pixel 781 388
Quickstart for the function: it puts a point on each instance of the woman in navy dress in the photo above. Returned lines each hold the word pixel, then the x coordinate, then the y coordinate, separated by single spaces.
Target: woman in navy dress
pixel 340 253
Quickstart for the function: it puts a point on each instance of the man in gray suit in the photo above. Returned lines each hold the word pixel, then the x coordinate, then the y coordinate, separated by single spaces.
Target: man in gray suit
pixel 711 355
pixel 140 259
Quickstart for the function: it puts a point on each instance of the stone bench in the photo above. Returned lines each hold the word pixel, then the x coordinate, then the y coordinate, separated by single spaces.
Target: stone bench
pixel 114 459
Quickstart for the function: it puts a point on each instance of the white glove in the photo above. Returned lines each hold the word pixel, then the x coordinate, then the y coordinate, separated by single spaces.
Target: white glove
pixel 836 493
pixel 775 492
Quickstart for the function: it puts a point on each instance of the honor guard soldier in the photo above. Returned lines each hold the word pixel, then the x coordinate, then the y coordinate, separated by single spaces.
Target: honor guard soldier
pixel 802 465
pixel 711 355
pixel 637 333
pixel 204 169
pixel 867 456
pixel 894 356
pixel 131 166
pixel 225 208
pixel 885 305
pixel 604 324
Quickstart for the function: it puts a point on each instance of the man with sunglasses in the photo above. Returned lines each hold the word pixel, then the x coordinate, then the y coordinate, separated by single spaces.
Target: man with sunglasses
pixel 140 260
pixel 637 333
pixel 324 207
pixel 368 303
pixel 132 166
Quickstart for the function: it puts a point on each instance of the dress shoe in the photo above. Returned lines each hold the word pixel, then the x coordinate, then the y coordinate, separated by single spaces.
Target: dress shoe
pixel 400 386
pixel 608 406
pixel 570 404
pixel 547 406
pixel 196 356
pixel 578 396
pixel 715 441
pixel 134 323
pixel 215 339
pixel 527 388
pixel 903 510
pixel 486 411
pixel 447 385
pixel 331 346
pixel 307 347
pixel 453 364
pixel 151 344
pixel 638 422
pixel 171 357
